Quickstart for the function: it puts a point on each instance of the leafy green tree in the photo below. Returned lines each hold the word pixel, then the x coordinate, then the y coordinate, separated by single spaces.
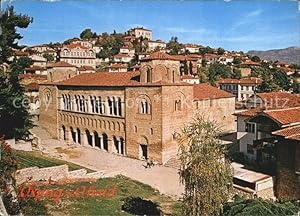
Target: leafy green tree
pixel 204 62
pixel 110 44
pixel 295 85
pixel 87 33
pixel 203 74
pixel 174 46
pixel 255 59
pixel 281 79
pixel 236 61
pixel 10 21
pixel 236 73
pixel 218 71
pixel 220 51
pixel 139 45
pixel 204 171
pixel 190 68
pixel 8 168
pixel 49 57
pixel 259 207
pixel 185 67
pixel 206 50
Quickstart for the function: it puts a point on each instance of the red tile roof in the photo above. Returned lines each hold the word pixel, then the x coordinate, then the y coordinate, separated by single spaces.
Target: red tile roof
pixel 34 68
pixel 251 80
pixel 289 133
pixel 101 79
pixel 85 68
pixel 249 62
pixel 160 56
pixel 249 112
pixel 284 116
pixel 118 66
pixel 75 46
pixel 124 79
pixel 205 91
pixel 279 100
pixel 61 64
pixel 21 53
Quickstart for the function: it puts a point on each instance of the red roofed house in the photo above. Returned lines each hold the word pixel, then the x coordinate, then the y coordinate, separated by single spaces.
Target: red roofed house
pixel 78 55
pixel 241 88
pixel 269 135
pixel 134 114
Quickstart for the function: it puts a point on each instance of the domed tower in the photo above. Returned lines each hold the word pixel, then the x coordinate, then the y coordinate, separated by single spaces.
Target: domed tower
pixel 160 67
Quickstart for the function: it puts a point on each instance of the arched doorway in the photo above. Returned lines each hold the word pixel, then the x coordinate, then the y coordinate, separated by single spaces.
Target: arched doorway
pixel 64 137
pixel 73 135
pixel 78 136
pixel 105 141
pixel 143 148
pixel 97 139
pixel 89 138
pixel 122 145
pixel 116 144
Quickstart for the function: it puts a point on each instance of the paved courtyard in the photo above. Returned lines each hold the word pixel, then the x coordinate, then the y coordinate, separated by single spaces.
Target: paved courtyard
pixel 164 179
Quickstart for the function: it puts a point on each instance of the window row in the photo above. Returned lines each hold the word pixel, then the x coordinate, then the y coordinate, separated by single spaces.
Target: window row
pixel 83 54
pixel 93 104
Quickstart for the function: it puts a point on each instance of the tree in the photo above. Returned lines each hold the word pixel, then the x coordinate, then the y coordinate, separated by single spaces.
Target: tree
pixel 236 73
pixel 10 21
pixel 203 74
pixel 206 50
pixel 255 59
pixel 15 120
pixel 48 56
pixel 8 168
pixel 185 67
pixel 259 207
pixel 174 46
pixel 204 171
pixel 220 51
pixel 110 44
pixel 218 71
pixel 87 33
pixel 236 61
pixel 190 68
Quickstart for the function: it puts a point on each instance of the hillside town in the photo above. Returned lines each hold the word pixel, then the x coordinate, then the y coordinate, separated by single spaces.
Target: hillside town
pixel 120 101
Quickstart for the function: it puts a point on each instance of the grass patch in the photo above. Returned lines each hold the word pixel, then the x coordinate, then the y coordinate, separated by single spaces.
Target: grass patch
pixel 29 159
pixel 101 205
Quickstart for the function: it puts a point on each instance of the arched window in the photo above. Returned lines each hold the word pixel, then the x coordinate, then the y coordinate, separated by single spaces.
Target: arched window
pixel 92 100
pixel 178 105
pixel 144 107
pixel 148 75
pixel 110 105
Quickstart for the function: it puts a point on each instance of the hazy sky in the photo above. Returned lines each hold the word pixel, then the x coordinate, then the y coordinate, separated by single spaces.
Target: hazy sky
pixel 234 25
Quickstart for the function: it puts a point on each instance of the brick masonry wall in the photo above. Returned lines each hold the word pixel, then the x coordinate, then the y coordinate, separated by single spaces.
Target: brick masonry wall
pixel 138 126
pixel 48 109
pixel 173 121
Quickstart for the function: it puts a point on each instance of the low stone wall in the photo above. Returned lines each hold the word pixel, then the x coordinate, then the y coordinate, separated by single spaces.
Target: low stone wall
pixel 42 174
pixel 56 173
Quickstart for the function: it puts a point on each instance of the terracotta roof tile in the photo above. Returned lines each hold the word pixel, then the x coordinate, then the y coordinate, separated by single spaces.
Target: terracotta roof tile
pixel 284 116
pixel 75 46
pixel 86 67
pixel 289 133
pixel 251 80
pixel 160 56
pixel 61 64
pixel 279 100
pixel 249 112
pixel 205 91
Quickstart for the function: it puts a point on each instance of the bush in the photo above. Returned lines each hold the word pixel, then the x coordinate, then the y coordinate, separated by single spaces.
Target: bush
pixel 259 207
pixel 139 206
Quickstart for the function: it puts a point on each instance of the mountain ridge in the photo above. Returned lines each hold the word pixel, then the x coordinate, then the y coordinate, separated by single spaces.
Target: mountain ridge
pixel 290 55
